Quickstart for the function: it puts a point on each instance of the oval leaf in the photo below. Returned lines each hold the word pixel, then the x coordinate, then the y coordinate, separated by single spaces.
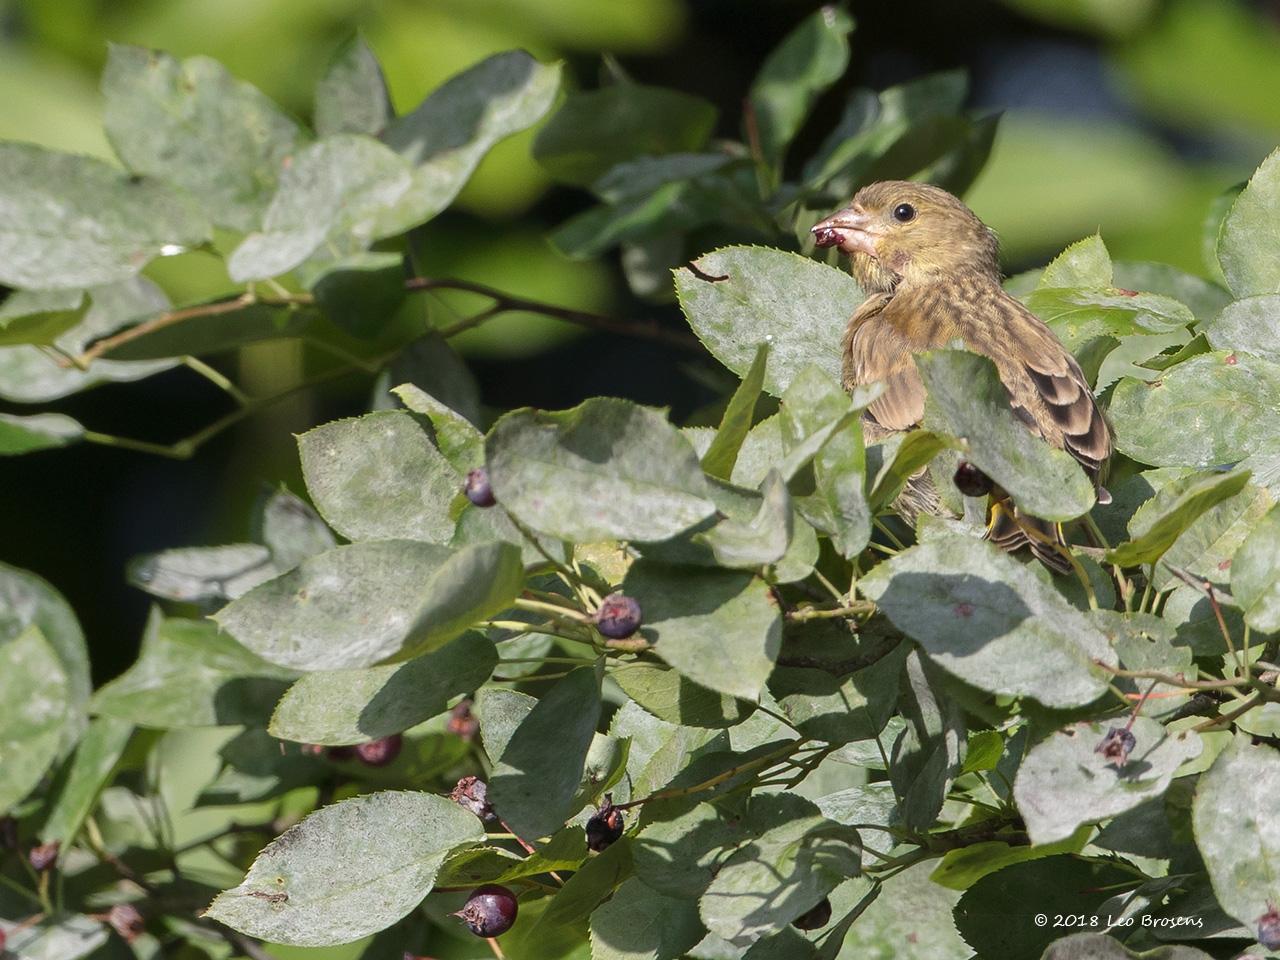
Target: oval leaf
pixel 989 620
pixel 348 870
pixel 741 297
pixel 606 470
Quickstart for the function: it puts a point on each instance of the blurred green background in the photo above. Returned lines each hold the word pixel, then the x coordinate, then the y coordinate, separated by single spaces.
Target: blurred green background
pixel 1124 116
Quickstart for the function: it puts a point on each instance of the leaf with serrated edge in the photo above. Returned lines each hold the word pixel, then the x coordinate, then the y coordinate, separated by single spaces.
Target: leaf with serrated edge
pixel 986 618
pixel 348 870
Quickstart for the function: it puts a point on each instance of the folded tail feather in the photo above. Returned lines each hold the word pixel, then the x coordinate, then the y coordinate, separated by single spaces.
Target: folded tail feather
pixel 1010 529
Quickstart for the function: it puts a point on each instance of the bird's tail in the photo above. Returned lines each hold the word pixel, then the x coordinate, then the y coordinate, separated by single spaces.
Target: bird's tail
pixel 1010 529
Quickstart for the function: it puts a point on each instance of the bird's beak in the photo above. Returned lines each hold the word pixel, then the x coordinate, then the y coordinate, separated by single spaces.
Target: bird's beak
pixel 853 230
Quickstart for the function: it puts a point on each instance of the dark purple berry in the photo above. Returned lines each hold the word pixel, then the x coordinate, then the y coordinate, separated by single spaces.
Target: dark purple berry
pixel 472 794
pixel 380 752
pixel 477 488
pixel 1269 928
pixel 605 826
pixel 340 754
pixel 815 918
pixel 125 920
pixel 1116 746
pixel 44 856
pixel 462 723
pixel 489 911
pixel 618 616
pixel 971 481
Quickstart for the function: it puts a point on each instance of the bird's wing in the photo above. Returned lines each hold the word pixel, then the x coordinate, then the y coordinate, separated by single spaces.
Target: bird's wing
pixel 1048 390
pixel 875 351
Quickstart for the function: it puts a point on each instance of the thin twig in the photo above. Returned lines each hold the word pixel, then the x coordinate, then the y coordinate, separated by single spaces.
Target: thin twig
pixel 506 302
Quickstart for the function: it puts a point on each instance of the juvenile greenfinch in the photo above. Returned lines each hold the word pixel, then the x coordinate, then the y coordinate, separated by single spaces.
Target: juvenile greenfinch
pixel 930 270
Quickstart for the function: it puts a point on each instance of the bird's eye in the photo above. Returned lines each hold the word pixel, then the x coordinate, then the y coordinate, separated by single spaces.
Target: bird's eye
pixel 904 212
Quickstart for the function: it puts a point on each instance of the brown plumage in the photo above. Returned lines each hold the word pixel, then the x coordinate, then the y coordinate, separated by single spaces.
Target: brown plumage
pixel 930 270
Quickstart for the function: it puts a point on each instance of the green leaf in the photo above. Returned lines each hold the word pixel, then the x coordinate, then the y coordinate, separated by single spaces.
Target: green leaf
pixel 1255 574
pixel 961 868
pixel 195 125
pixel 360 604
pixel 202 574
pixel 190 675
pixel 794 859
pixel 894 461
pixel 378 476
pixel 721 456
pixel 1250 263
pixel 40 316
pixel 928 753
pixel 352 95
pixel 1097 946
pixel 29 374
pixel 1206 547
pixel 348 870
pixel 1163 423
pixel 840 709
pixel 338 196
pixel 73 222
pixel 996 915
pixel 41 431
pixel 605 470
pixel 668 695
pixel 1205 298
pixel 1251 325
pixel 741 297
pixel 456 436
pixel 1163 518
pixel 448 134
pixel 1086 263
pixel 27 600
pixel 500 712
pixel 640 924
pixel 810 59
pixel 536 778
pixel 814 404
pixel 910 920
pixel 68 937
pixel 361 293
pixel 34 694
pixel 990 621
pixel 90 770
pixel 593 882
pixel 216 332
pixel 254 766
pixel 595 130
pixel 974 405
pixel 290 529
pixel 699 619
pixel 351 706
pixel 1237 829
pixel 1064 781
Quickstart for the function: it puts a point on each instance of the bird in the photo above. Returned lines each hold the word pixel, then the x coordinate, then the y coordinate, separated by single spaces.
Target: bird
pixel 930 270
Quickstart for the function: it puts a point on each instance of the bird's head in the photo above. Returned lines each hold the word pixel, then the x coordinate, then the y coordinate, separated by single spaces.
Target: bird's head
pixel 897 231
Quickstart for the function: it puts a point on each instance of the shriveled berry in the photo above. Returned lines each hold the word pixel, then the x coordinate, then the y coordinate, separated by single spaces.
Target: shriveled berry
pixel 125 920
pixel 971 481
pixel 618 616
pixel 380 752
pixel 1269 928
pixel 815 918
pixel 313 750
pixel 490 911
pixel 605 826
pixel 1116 746
pixel 472 793
pixel 477 488
pixel 462 722
pixel 44 856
